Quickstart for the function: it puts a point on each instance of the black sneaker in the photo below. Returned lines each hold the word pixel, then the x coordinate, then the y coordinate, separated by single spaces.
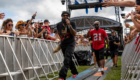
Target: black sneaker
pixel 116 65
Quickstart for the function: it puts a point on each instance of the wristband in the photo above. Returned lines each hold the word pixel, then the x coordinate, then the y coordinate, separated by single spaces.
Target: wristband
pixel 33 17
pixel 130 26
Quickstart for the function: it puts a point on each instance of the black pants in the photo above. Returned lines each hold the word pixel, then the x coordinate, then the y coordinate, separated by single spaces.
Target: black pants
pixel 68 52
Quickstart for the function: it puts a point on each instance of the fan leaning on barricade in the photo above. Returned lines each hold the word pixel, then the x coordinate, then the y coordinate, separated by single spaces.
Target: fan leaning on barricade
pixel 23 27
pixel 7 27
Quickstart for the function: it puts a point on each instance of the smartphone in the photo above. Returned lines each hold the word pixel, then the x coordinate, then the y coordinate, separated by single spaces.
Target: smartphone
pixel 137 2
pixel 46 27
pixel 133 12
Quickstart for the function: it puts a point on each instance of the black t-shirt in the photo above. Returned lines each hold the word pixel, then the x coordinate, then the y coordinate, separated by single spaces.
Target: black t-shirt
pixel 67 39
pixel 113 39
pixel 39 30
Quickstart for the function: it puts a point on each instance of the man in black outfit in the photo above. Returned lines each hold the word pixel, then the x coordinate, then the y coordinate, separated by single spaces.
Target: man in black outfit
pixel 67 33
pixel 113 44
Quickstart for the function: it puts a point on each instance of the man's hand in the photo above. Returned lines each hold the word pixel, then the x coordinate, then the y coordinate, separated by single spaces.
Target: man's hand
pixel 115 43
pixel 67 21
pixel 2 15
pixel 34 15
pixel 138 16
pixel 133 16
pixel 107 47
pixel 90 28
pixel 107 3
pixel 36 25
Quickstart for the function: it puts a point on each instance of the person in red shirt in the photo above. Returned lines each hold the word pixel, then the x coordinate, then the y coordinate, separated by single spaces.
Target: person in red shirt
pixel 47 33
pixel 99 36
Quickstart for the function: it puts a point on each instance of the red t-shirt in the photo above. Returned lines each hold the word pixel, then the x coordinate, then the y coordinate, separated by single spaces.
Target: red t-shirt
pixel 98 38
pixel 48 28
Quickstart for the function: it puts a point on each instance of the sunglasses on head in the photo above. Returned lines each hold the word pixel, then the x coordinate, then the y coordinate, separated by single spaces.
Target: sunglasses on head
pixel 65 15
pixel 10 24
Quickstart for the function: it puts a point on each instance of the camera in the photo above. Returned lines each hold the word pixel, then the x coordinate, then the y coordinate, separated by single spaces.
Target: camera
pixel 63 2
pixel 138 2
pixel 123 15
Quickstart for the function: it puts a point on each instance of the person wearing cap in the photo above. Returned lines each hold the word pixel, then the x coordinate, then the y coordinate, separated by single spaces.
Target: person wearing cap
pixel 113 44
pixel 47 35
pixel 67 32
pixel 32 33
pixel 98 36
pixel 38 29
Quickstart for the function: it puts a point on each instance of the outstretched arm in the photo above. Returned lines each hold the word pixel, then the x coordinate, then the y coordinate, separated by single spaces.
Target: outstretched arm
pixel 119 3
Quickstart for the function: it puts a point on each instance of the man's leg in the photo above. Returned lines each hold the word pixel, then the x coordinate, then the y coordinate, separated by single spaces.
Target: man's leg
pixel 94 57
pixel 67 51
pixel 113 57
pixel 116 59
pixel 96 52
pixel 73 68
pixel 101 58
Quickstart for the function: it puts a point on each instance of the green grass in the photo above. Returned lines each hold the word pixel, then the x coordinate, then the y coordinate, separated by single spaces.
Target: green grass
pixel 115 72
pixel 80 69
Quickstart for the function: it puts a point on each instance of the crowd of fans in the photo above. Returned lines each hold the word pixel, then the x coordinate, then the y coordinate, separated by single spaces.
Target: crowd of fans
pixel 40 29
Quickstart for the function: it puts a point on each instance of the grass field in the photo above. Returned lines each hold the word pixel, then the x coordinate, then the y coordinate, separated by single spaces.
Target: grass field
pixel 80 69
pixel 115 72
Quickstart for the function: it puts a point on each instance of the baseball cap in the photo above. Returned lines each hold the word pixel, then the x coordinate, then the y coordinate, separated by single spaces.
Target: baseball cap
pixel 40 21
pixel 112 31
pixel 52 27
pixel 46 20
pixel 65 12
pixel 97 22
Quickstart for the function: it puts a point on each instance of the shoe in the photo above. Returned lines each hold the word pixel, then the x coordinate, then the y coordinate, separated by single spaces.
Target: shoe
pixel 116 65
pixel 74 76
pixel 102 71
pixel 60 79
pixel 99 69
pixel 57 49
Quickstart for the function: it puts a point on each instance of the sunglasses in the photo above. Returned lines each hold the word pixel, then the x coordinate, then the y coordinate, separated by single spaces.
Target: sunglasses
pixel 96 24
pixel 10 25
pixel 65 15
pixel 22 24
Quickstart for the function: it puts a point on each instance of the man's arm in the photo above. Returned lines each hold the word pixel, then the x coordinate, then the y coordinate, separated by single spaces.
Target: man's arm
pixel 118 44
pixel 119 3
pixel 27 26
pixel 137 25
pixel 88 35
pixel 107 40
pixel 72 31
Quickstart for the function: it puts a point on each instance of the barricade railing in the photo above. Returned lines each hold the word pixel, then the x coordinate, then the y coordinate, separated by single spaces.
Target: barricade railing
pixel 30 58
pixel 130 61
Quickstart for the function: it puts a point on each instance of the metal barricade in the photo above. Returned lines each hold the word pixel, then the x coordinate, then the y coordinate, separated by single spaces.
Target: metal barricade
pixel 29 58
pixel 130 61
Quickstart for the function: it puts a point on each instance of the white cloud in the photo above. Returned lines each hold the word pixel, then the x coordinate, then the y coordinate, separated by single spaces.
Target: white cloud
pixel 49 9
